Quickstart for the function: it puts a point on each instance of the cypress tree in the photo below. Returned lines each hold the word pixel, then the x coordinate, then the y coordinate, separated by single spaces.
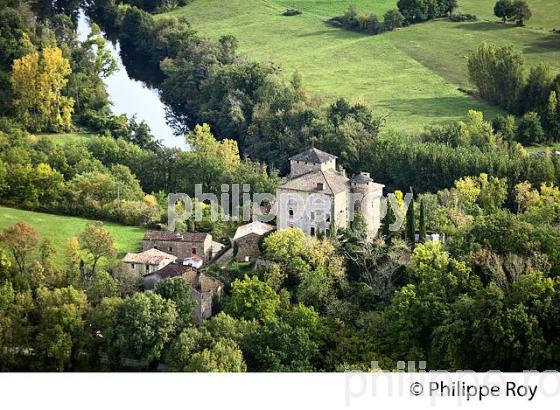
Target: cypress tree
pixel 422 228
pixel 388 220
pixel 410 231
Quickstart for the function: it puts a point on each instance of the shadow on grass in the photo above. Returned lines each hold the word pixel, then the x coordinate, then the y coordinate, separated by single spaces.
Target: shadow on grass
pixel 317 33
pixel 435 106
pixel 484 26
pixel 544 44
pixel 335 33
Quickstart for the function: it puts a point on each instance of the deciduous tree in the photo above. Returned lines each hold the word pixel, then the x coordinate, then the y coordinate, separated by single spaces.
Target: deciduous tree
pixel 38 80
pixel 20 240
pixel 252 299
pixel 96 241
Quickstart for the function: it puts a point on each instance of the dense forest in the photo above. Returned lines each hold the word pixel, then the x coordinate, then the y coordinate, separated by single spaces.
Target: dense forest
pixel 488 297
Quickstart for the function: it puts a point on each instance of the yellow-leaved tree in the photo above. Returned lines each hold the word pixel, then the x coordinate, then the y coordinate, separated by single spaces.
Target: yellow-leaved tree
pixel 38 80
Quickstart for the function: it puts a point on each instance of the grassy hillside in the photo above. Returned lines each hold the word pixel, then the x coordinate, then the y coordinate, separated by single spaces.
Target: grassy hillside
pixel 330 8
pixel 546 13
pixel 411 75
pixel 60 228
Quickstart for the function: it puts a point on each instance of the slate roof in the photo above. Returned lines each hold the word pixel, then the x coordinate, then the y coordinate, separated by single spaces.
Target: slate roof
pixel 313 155
pixel 257 227
pixel 333 182
pixel 150 257
pixel 175 237
pixel 362 178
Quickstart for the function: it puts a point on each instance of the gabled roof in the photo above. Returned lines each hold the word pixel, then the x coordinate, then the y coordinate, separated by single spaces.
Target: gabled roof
pixel 200 281
pixel 256 227
pixel 313 155
pixel 172 270
pixel 150 257
pixel 175 237
pixel 362 178
pixel 333 182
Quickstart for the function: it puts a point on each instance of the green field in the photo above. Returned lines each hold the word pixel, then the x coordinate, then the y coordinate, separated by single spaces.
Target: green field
pixel 60 228
pixel 411 75
pixel 546 13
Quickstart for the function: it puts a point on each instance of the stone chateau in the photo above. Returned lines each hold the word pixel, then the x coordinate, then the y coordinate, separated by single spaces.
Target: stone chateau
pixel 318 197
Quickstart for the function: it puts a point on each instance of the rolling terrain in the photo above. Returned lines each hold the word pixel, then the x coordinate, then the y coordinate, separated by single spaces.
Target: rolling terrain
pixel 412 75
pixel 59 228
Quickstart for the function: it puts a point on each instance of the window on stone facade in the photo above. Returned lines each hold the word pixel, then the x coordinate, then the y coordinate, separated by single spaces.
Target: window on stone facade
pixel 319 186
pixel 291 213
pixel 132 265
pixel 193 251
pixel 170 249
pixel 312 215
pixel 328 217
pixel 312 231
pixel 147 268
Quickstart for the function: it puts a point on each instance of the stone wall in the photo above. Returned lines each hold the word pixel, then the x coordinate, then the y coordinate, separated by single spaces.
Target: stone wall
pixel 181 249
pixel 303 220
pixel 142 269
pixel 248 245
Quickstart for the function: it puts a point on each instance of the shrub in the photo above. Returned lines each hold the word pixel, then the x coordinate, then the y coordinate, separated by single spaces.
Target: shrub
pixel 369 23
pixel 393 19
pixel 364 22
pixel 291 12
pixel 461 17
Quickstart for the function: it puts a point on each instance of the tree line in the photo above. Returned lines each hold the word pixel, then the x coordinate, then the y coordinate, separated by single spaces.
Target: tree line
pixel 486 299
pixel 500 77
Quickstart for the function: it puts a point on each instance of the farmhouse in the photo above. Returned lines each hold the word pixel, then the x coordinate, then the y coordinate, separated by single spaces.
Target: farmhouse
pixel 205 288
pixel 182 245
pixel 246 240
pixel 146 262
pixel 316 197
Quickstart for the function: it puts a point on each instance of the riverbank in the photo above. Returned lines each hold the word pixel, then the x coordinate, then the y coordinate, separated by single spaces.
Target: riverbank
pixel 133 97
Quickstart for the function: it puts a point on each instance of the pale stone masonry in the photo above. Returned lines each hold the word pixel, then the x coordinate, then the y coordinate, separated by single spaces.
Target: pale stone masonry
pixel 247 238
pixel 182 245
pixel 313 174
pixel 146 262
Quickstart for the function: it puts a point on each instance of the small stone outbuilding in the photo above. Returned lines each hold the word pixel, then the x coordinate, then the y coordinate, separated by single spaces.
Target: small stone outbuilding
pixel 246 240
pixel 182 245
pixel 147 262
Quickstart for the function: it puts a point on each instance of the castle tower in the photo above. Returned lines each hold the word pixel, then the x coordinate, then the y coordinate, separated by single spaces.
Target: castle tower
pixel 366 198
pixel 311 160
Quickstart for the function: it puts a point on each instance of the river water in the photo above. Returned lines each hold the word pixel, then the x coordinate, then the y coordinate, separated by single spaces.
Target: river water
pixel 133 97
